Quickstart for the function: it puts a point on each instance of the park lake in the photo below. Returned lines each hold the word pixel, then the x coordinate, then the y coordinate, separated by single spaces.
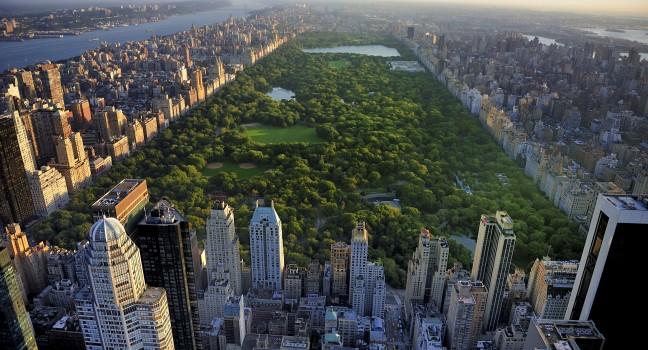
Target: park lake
pixel 369 50
pixel 280 94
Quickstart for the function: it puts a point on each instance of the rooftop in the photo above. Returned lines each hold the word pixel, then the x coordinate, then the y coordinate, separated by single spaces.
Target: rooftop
pixel 565 334
pixel 627 202
pixel 118 193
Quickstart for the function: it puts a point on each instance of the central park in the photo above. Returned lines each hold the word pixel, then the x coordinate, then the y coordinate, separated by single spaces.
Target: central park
pixel 354 128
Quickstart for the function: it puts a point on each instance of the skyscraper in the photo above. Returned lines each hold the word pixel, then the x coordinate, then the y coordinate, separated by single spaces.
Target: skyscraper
pixel 266 248
pixel 15 196
pixel 358 261
pixel 166 241
pixel 30 261
pixel 492 261
pixel 427 272
pixel 222 245
pixel 614 249
pixel 376 290
pixel 339 266
pixel 465 314
pixel 72 161
pixel 117 310
pixel 48 189
pixel 51 78
pixel 16 331
pixel 550 287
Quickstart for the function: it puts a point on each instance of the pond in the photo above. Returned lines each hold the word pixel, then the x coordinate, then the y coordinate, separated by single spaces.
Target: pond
pixel 369 50
pixel 280 94
pixel 543 40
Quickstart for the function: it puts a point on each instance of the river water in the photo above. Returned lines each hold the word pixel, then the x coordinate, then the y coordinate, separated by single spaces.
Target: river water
pixel 20 54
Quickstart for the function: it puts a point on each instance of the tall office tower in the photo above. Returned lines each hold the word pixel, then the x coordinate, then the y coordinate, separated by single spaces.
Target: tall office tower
pixel 51 78
pixel 222 245
pixel 125 201
pixel 562 334
pixel 234 320
pixel 614 245
pixel 292 283
pixel 454 275
pixel 49 124
pixel 358 297
pixel 465 314
pixel 327 278
pixel 427 272
pixel 27 86
pixel 375 276
pixel 81 112
pixel 15 196
pixel 110 122
pixel 437 272
pixel 417 270
pixel 167 241
pixel 117 310
pixel 358 260
pixel 266 248
pixel 313 278
pixel 30 261
pixel 378 291
pixel 516 292
pixel 218 291
pixel 550 287
pixel 492 261
pixel 340 253
pixel 16 331
pixel 197 83
pixel 48 189
pixel 73 162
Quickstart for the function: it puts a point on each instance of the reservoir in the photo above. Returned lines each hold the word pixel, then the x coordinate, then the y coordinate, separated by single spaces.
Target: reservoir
pixel 23 53
pixel 369 50
pixel 543 40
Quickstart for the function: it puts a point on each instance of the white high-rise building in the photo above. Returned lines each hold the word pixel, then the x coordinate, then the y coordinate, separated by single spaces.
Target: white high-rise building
pixel 378 295
pixel 465 314
pixel 218 291
pixel 358 301
pixel 266 248
pixel 437 272
pixel 117 310
pixel 222 245
pixel 492 261
pixel 427 272
pixel 358 265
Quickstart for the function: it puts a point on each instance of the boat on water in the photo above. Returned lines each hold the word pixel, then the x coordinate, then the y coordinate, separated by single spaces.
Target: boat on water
pixel 94 39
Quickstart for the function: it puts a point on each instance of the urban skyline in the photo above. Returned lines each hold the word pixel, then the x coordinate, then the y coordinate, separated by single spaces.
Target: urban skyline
pixel 326 176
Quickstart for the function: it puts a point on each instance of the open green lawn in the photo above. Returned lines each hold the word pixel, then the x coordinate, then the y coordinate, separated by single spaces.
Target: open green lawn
pixel 339 64
pixel 272 134
pixel 242 171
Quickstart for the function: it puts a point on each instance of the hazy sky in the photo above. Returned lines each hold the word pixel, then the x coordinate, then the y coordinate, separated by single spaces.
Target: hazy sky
pixel 611 7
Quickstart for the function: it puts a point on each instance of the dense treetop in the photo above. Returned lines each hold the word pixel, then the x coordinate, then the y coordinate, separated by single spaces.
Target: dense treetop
pixel 383 131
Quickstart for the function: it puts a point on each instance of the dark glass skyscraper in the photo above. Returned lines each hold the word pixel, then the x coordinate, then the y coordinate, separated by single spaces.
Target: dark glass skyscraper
pixel 16 331
pixel 166 244
pixel 612 258
pixel 15 195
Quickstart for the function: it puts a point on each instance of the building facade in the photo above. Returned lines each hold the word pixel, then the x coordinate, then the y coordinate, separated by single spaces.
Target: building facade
pixel 117 310
pixel 492 262
pixel 166 243
pixel 266 248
